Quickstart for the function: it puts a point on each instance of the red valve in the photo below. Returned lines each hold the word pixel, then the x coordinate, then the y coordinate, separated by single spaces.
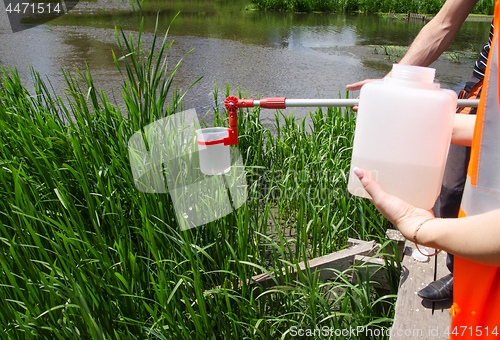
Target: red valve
pixel 231 104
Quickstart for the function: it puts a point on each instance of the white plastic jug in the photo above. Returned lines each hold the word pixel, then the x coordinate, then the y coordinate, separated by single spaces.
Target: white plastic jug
pixel 403 133
pixel 214 155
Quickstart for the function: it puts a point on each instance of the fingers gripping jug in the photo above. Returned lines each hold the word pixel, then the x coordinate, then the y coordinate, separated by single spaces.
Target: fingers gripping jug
pixel 403 132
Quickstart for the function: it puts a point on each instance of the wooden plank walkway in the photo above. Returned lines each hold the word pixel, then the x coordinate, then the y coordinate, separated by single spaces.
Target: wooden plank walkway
pixel 417 16
pixel 416 318
pixel 340 261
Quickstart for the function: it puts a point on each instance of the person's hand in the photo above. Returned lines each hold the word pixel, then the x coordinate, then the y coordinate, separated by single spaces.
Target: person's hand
pixel 357 86
pixel 403 215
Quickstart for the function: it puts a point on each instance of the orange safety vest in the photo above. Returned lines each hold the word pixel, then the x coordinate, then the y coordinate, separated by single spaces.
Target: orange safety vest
pixel 476 291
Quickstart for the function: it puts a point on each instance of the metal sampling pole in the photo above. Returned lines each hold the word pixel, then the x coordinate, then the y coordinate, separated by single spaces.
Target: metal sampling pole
pixel 233 104
pixel 282 103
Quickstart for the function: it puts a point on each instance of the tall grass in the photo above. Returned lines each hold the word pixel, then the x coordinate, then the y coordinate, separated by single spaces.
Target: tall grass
pixel 84 255
pixel 370 6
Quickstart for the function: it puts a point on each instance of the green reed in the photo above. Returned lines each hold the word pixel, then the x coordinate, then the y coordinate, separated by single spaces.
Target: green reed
pixel 369 6
pixel 85 255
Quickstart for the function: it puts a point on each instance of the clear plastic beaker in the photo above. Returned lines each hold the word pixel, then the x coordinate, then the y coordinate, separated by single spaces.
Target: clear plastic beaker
pixel 214 155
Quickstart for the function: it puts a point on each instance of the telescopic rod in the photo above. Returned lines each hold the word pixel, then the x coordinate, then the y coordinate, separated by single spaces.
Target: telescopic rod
pixel 282 103
pixel 233 104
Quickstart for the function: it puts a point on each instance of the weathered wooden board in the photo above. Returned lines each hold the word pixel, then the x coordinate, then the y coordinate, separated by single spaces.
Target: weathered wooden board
pixel 395 235
pixel 417 16
pixel 442 308
pixel 339 261
pixel 328 266
pixel 377 271
pixel 416 318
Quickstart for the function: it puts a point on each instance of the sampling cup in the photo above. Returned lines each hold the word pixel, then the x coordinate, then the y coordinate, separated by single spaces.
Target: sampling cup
pixel 214 155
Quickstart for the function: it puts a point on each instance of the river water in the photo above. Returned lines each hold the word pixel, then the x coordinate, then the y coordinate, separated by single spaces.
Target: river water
pixel 263 53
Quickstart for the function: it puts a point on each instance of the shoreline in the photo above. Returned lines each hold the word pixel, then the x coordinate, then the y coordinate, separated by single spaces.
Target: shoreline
pixel 401 16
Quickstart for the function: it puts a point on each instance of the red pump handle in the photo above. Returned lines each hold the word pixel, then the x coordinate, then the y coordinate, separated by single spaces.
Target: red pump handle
pixel 273 103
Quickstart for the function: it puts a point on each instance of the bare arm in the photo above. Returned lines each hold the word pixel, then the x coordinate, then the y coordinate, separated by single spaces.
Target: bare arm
pixel 463 129
pixel 434 38
pixel 476 238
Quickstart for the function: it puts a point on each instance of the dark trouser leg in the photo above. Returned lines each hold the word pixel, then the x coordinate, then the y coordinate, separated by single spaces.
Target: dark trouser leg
pixel 453 186
pixel 448 202
pixel 448 205
pixel 450 261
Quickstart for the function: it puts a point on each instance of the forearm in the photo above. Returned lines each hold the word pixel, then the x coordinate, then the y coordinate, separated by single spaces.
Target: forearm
pixel 476 238
pixel 434 38
pixel 429 44
pixel 437 35
pixel 463 129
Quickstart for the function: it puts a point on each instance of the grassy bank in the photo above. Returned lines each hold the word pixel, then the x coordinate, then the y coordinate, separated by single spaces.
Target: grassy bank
pixel 370 6
pixel 84 255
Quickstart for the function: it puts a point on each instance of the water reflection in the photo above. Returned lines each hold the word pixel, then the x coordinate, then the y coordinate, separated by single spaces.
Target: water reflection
pixel 262 52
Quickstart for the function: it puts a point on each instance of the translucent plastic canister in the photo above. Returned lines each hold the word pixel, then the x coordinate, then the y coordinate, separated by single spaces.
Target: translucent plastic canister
pixel 214 155
pixel 403 131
